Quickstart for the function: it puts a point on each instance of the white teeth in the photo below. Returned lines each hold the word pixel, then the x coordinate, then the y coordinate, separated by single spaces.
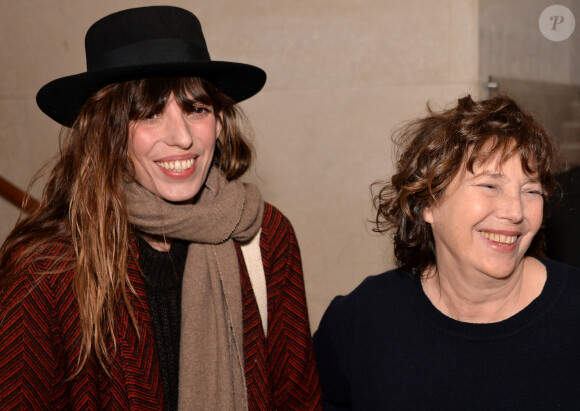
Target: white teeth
pixel 500 238
pixel 177 165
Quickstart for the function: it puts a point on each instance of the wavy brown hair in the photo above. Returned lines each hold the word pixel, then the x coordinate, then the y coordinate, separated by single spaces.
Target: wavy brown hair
pixel 83 202
pixel 434 149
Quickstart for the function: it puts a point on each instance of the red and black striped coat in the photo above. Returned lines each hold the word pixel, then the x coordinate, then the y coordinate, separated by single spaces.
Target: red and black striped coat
pixel 39 339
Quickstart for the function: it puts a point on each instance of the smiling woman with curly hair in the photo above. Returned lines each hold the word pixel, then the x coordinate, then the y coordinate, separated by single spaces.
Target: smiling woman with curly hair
pixel 474 316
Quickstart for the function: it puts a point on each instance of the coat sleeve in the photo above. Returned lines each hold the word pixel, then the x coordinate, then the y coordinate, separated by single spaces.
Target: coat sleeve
pixel 40 338
pixel 30 373
pixel 292 369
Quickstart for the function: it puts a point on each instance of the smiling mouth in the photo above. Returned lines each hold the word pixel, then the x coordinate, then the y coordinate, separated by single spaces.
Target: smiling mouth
pixel 178 165
pixel 499 238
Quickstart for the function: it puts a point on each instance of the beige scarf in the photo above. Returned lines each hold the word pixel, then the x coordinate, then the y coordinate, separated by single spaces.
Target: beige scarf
pixel 211 364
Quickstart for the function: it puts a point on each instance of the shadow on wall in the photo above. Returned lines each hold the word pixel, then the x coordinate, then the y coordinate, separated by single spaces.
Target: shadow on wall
pixel 563 223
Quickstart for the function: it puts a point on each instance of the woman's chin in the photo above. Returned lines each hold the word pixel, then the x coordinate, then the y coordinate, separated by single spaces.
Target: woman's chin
pixel 178 195
pixel 178 199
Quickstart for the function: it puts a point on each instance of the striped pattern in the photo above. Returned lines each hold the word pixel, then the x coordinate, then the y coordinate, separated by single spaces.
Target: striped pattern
pixel 280 370
pixel 39 338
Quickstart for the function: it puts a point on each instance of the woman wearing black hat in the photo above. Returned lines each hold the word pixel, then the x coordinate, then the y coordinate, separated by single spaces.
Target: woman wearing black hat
pixel 150 275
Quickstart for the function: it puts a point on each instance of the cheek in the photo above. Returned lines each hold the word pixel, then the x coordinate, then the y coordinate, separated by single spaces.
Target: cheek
pixel 210 137
pixel 137 145
pixel 133 144
pixel 535 215
pixel 445 214
pixel 131 154
pixel 140 147
pixel 131 151
pixel 136 150
pixel 142 140
pixel 135 160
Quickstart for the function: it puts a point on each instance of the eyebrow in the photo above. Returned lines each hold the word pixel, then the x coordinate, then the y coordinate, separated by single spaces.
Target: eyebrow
pixel 494 175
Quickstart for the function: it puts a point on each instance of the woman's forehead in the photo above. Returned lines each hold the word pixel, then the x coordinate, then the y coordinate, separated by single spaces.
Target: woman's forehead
pixel 495 152
pixel 494 165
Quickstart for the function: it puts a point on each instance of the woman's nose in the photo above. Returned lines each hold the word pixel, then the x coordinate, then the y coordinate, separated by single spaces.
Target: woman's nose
pixel 512 207
pixel 177 129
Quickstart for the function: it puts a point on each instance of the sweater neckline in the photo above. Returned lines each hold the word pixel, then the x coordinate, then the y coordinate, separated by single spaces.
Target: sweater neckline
pixel 527 317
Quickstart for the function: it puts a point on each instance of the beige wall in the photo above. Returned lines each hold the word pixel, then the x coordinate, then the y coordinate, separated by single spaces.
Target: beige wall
pixel 341 75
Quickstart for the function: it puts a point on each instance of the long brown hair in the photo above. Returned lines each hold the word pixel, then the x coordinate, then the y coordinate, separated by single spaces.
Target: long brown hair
pixel 433 150
pixel 83 202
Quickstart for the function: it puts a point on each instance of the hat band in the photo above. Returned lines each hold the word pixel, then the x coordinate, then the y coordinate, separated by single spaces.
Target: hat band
pixel 152 52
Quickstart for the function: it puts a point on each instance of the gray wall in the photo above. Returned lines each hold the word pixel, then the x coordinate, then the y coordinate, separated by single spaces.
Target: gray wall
pixel 511 44
pixel 543 75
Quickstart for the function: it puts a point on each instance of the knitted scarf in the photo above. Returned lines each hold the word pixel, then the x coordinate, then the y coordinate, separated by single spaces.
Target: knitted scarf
pixel 211 364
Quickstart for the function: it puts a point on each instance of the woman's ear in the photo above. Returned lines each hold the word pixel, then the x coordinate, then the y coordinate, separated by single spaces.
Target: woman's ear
pixel 428 215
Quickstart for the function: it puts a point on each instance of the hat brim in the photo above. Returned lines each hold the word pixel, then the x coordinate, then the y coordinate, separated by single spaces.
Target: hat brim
pixel 63 98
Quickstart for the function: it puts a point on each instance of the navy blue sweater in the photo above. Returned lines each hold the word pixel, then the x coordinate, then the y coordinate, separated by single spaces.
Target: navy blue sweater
pixel 385 346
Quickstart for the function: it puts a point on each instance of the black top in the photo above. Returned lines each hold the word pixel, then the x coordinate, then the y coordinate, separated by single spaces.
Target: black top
pixel 385 346
pixel 164 274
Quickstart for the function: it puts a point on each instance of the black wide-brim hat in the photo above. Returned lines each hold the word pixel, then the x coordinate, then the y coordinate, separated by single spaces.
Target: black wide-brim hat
pixel 145 42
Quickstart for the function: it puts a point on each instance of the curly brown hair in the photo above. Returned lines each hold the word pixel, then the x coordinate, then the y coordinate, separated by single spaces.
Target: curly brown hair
pixel 83 202
pixel 434 149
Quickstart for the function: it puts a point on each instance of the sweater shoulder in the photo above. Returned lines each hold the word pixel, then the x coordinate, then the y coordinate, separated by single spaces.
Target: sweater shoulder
pixel 558 268
pixel 377 296
pixel 54 261
pixel 567 275
pixel 388 285
pixel 275 221
pixel 278 239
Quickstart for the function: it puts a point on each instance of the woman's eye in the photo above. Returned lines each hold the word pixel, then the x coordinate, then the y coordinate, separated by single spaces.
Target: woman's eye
pixel 535 189
pixel 535 192
pixel 151 117
pixel 198 111
pixel 201 110
pixel 488 186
